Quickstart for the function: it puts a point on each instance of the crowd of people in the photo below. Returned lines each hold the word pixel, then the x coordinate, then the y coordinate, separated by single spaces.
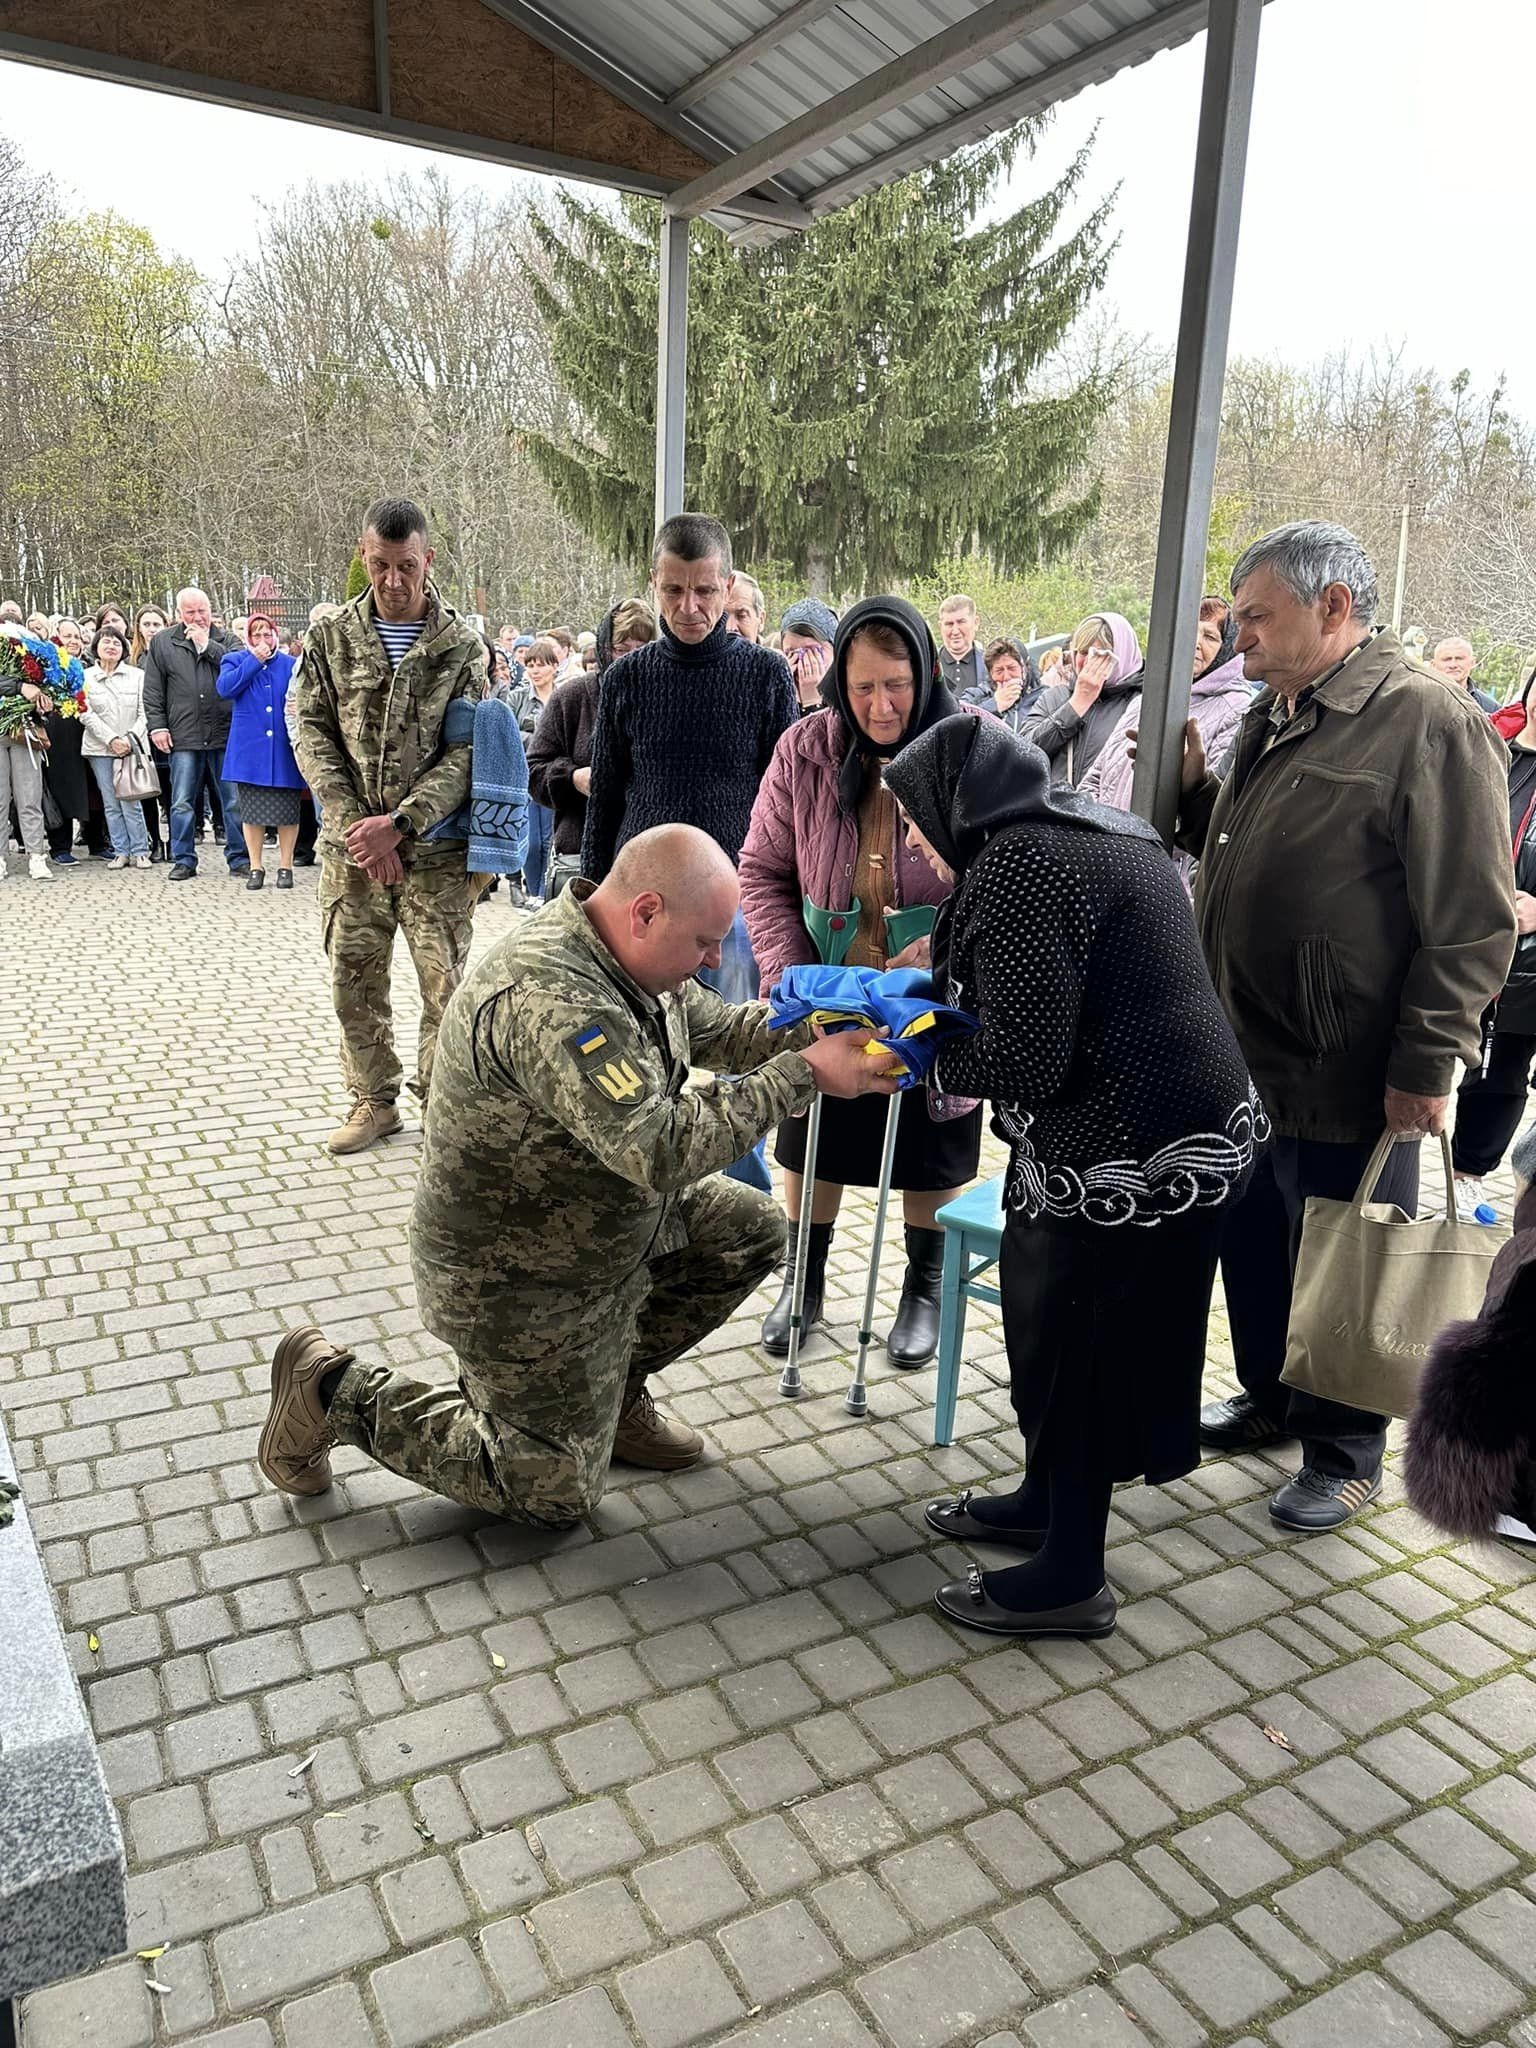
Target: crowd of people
pixel 1179 1045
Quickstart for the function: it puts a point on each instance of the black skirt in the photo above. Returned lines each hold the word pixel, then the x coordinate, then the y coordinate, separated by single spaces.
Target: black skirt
pixel 263 804
pixel 1105 1331
pixel 930 1156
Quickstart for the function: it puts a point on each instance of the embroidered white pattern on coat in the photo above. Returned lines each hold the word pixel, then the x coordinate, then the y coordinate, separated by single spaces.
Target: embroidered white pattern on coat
pixel 1196 1172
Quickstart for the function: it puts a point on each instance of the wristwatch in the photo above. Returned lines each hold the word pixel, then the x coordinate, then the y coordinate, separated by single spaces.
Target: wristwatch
pixel 402 824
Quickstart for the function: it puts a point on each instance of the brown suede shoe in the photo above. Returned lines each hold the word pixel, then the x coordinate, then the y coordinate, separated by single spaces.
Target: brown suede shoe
pixel 295 1448
pixel 368 1122
pixel 646 1438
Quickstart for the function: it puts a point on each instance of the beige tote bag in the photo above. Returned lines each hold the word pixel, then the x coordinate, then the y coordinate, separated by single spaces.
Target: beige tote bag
pixel 1374 1289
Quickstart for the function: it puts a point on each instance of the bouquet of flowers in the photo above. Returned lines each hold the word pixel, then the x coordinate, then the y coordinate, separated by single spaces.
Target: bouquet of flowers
pixel 26 659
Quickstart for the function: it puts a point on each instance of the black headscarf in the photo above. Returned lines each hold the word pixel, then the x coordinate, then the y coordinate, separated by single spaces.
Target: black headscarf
pixel 931 700
pixel 968 779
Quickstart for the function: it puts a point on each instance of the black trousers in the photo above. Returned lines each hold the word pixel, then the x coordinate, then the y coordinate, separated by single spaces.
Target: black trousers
pixel 1258 1265
pixel 1491 1101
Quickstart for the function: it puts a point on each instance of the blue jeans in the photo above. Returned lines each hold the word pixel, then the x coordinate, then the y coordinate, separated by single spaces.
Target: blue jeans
pixel 125 815
pixel 735 981
pixel 541 837
pixel 191 767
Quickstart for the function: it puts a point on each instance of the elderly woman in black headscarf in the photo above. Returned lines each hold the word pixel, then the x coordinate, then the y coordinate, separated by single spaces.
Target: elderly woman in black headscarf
pixel 1117 1082
pixel 825 876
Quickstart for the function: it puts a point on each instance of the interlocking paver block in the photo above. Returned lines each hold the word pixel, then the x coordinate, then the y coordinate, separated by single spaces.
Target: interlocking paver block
pixel 918 1716
pixel 950 1988
pixel 1120 1912
pixel 501 1870
pixel 679 1998
pixel 847 1826
pixel 767 1772
pixel 773 1857
pixel 512 1787
pixel 1084 2017
pixel 1220 1975
pixel 1044 1943
pixel 828 2021
pixel 1361 2009
pixel 863 1921
pixel 109 2009
pixel 1449 1845
pixel 423 1900
pixel 1458 1987
pixel 1179 1692
pixel 1336 1914
pixel 937 1882
pixel 281 1953
pixel 415 1744
pixel 591 1929
pixel 689 1890
pixel 778 1952
pixel 1365 1694
pixel 1231 1854
pixel 325 2019
pixel 177 1901
pixel 427 1996
pixel 1504 1926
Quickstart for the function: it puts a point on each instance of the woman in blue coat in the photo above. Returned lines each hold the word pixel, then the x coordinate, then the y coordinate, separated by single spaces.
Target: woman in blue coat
pixel 259 755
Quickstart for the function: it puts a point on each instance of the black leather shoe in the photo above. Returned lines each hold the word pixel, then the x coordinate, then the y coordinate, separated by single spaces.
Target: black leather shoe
pixel 1316 1500
pixel 775 1337
pixel 255 878
pixel 953 1518
pixel 968 1602
pixel 181 874
pixel 1237 1425
pixel 285 878
pixel 914 1337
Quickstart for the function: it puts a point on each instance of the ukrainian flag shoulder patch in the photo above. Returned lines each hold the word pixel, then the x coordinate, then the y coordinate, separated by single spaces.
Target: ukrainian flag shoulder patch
pixel 590 1039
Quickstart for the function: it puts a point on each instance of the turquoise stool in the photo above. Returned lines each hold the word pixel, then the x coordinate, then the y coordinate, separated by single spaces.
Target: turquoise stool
pixel 973 1235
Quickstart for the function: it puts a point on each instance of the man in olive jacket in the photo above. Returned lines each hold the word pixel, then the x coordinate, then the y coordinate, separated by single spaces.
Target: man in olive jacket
pixel 1356 904
pixel 388 767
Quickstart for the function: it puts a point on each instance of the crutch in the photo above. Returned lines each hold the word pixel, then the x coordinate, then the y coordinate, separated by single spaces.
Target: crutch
pixel 856 1400
pixel 789 1379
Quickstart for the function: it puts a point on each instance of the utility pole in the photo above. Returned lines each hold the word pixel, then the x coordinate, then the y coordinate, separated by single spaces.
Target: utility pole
pixel 1402 566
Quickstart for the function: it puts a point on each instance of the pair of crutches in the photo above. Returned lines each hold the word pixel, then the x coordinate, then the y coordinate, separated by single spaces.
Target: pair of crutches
pixel 856 1400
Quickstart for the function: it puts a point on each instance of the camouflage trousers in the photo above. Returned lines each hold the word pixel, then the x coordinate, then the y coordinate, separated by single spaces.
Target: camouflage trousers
pixel 358 920
pixel 528 1433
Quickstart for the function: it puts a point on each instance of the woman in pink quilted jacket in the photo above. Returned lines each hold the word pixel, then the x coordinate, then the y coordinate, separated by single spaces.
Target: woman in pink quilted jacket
pixel 1218 697
pixel 824 839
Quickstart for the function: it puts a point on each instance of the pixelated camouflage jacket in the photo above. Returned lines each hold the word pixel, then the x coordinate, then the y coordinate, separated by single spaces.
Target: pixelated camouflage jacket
pixel 567 1113
pixel 370 741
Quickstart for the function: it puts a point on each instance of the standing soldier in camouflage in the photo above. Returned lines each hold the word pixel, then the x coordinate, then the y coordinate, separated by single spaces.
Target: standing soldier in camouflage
pixel 387 766
pixel 572 1232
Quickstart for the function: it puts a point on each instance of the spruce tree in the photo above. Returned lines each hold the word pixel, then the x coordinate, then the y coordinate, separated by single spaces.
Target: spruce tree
pixel 357 576
pixel 860 401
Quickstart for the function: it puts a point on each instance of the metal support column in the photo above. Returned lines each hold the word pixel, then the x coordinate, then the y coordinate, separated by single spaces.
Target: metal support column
pixel 672 366
pixel 1189 472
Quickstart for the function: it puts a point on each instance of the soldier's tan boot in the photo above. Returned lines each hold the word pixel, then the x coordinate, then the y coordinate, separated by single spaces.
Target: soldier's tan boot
pixel 295 1448
pixel 368 1122
pixel 657 1441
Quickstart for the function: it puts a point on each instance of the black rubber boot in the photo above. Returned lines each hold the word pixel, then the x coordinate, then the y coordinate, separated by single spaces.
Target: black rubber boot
pixel 914 1335
pixel 776 1322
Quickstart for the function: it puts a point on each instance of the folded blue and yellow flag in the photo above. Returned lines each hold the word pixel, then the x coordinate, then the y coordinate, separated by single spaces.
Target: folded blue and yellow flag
pixel 902 999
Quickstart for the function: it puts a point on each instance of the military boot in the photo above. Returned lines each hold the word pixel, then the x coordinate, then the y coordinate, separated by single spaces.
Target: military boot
pixel 656 1441
pixel 776 1323
pixel 295 1448
pixel 368 1122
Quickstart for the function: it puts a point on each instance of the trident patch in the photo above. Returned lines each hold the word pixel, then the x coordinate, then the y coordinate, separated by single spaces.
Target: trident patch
pixel 614 1075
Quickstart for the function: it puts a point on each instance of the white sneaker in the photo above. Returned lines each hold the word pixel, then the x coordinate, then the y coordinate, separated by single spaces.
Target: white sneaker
pixel 141 860
pixel 38 868
pixel 118 860
pixel 1471 1191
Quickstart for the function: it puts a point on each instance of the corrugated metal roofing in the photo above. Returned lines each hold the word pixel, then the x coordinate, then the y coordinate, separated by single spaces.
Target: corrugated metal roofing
pixel 665 44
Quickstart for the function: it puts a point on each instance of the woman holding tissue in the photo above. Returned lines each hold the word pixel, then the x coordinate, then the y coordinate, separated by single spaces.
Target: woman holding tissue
pixel 1115 1077
pixel 825 877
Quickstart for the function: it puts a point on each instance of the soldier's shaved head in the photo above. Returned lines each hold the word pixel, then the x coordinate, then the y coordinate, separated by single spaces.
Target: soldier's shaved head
pixel 666 904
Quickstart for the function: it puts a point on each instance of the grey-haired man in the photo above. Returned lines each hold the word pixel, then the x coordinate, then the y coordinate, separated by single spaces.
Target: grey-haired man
pixel 1356 903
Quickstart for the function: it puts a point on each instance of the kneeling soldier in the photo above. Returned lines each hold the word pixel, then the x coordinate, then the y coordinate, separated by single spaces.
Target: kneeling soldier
pixel 572 1233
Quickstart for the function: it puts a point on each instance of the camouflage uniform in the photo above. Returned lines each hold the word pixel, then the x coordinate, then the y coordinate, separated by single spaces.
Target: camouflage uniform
pixel 370 743
pixel 571 1232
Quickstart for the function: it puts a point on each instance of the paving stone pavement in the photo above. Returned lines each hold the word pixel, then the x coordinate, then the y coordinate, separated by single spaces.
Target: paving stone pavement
pixel 711 1769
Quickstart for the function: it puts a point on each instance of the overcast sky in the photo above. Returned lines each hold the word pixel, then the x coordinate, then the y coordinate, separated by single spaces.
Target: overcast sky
pixel 1387 196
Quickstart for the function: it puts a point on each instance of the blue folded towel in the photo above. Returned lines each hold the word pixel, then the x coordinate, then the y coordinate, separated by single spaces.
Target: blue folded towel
pixel 849 998
pixel 495 820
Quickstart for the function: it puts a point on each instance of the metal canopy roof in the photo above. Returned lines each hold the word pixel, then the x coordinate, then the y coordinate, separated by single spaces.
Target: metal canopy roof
pixel 812 102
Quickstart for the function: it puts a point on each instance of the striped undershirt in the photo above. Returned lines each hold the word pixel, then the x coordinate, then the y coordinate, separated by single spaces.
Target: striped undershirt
pixel 398 640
